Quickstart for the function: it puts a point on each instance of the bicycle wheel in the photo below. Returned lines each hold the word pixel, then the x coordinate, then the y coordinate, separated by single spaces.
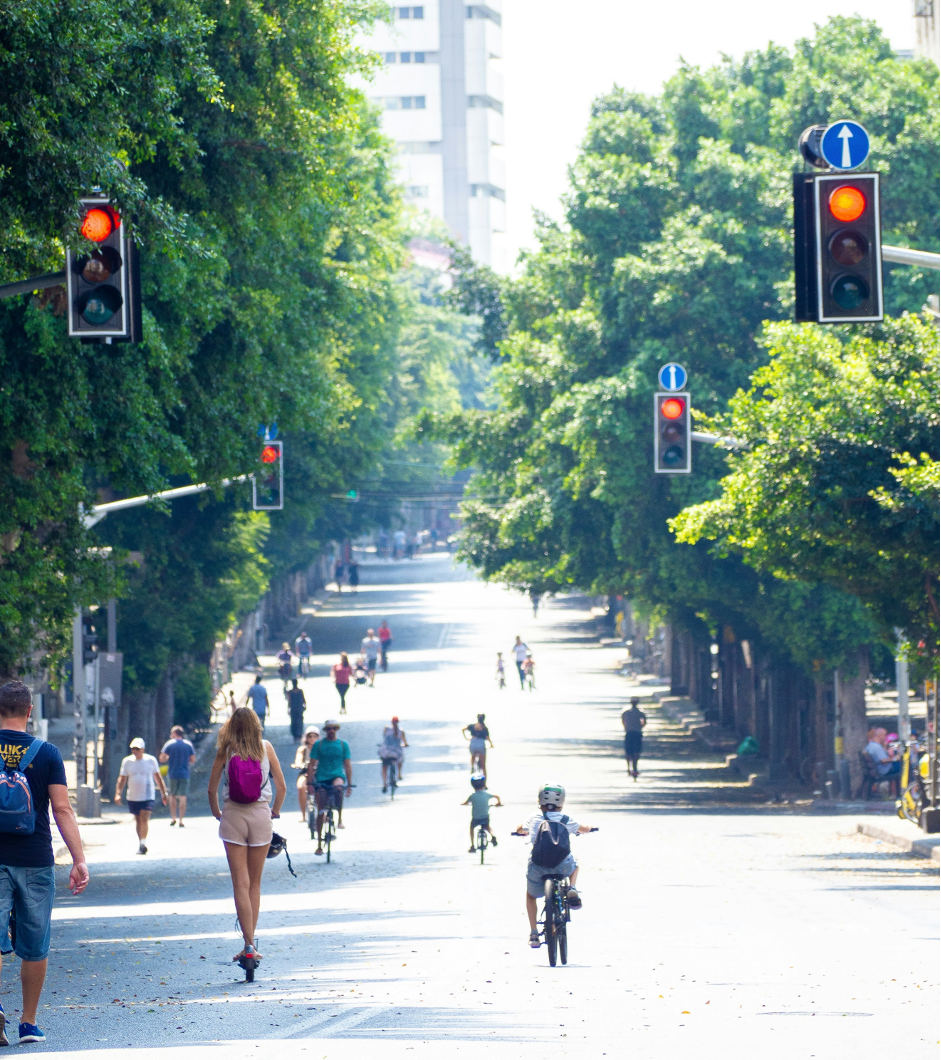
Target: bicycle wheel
pixel 563 937
pixel 552 939
pixel 393 779
pixel 328 834
pixel 482 841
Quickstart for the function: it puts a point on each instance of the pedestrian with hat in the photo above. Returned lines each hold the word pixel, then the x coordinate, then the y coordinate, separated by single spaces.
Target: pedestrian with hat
pixel 141 774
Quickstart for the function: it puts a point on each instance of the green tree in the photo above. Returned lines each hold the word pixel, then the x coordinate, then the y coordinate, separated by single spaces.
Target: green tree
pixel 839 479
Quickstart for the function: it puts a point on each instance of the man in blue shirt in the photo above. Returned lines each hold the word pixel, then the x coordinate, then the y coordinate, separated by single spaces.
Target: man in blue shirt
pixel 257 695
pixel 329 763
pixel 178 755
pixel 27 864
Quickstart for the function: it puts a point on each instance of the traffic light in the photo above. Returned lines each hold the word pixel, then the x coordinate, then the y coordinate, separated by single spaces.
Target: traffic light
pixel 837 247
pixel 103 284
pixel 672 435
pixel 89 640
pixel 268 483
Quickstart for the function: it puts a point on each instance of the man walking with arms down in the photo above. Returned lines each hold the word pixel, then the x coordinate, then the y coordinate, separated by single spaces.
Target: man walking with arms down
pixel 178 755
pixel 27 864
pixel 633 719
pixel 140 773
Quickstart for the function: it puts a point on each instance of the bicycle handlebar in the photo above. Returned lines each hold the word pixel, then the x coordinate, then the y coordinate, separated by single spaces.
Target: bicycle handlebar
pixel 521 834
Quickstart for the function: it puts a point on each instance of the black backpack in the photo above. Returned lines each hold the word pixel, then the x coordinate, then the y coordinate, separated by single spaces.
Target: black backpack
pixel 551 846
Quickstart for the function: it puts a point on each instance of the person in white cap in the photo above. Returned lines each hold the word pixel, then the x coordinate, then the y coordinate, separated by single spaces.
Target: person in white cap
pixel 140 772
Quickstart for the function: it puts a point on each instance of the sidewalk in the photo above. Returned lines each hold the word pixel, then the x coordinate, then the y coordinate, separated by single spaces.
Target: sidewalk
pixel 905 836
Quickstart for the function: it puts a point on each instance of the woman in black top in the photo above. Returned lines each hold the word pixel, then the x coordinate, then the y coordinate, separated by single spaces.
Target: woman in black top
pixel 479 736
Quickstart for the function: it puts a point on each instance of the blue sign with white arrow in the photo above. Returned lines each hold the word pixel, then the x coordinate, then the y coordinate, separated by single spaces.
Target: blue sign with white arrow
pixel 845 145
pixel 672 376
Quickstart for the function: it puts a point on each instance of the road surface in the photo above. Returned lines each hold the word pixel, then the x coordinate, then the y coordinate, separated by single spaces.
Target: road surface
pixel 713 924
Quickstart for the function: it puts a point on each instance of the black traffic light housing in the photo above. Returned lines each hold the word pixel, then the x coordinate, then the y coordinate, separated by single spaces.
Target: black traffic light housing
pixel 103 283
pixel 268 482
pixel 672 443
pixel 837 247
pixel 89 640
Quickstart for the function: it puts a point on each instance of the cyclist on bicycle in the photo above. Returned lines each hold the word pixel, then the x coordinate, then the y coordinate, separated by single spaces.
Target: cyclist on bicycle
pixel 501 670
pixel 303 648
pixel 284 658
pixel 551 800
pixel 329 763
pixel 390 750
pixel 479 802
pixel 529 670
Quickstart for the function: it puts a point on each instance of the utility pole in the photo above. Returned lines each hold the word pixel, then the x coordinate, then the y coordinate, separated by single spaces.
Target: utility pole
pixel 901 683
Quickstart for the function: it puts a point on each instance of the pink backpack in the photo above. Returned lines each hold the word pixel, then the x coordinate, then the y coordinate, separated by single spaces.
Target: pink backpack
pixel 245 779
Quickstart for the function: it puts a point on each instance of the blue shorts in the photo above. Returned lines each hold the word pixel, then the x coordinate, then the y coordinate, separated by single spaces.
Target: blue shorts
pixel 136 807
pixel 476 822
pixel 30 892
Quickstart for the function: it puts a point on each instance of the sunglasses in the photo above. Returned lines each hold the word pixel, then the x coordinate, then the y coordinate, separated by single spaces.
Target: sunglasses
pixel 330 728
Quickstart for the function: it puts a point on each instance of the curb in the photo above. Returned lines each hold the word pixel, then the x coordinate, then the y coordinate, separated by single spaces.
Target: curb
pixel 922 848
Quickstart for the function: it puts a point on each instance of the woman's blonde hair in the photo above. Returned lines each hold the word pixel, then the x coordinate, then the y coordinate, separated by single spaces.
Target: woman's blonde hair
pixel 241 735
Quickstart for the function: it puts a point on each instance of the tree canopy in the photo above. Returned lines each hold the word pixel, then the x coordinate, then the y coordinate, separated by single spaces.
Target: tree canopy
pixel 677 246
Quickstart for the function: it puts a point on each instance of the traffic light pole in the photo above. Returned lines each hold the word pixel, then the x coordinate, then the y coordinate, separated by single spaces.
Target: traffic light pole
pixel 99 511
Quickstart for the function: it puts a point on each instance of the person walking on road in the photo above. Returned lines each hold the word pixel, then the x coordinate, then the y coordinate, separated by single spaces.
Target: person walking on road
pixel 245 764
pixel 301 762
pixel 633 719
pixel 141 773
pixel 479 736
pixel 297 701
pixel 352 574
pixel 329 763
pixel 338 569
pixel 519 654
pixel 385 639
pixel 341 673
pixel 257 694
pixel 370 648
pixel 178 755
pixel 27 862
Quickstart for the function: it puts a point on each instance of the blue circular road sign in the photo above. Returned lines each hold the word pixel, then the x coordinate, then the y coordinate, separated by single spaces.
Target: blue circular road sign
pixel 672 376
pixel 845 145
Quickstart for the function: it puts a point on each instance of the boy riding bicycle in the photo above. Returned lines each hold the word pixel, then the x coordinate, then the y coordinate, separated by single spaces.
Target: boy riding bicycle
pixel 479 802
pixel 544 838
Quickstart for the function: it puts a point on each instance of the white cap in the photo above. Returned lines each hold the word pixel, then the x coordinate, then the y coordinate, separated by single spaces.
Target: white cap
pixel 137 742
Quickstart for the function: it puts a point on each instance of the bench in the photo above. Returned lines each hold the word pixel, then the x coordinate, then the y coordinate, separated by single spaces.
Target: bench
pixel 871 778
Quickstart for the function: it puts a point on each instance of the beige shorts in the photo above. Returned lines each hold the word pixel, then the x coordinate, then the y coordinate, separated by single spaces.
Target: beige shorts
pixel 246 824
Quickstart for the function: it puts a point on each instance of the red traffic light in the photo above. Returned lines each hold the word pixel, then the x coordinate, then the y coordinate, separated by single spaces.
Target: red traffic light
pixel 673 408
pixel 269 454
pixel 99 223
pixel 847 203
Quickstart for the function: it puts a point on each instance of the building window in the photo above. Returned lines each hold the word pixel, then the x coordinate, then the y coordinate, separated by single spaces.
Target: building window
pixel 417 191
pixel 405 57
pixel 482 11
pixel 487 191
pixel 404 102
pixel 411 12
pixel 390 57
pixel 419 57
pixel 485 101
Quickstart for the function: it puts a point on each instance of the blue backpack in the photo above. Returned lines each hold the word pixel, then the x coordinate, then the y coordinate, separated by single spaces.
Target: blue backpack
pixel 17 812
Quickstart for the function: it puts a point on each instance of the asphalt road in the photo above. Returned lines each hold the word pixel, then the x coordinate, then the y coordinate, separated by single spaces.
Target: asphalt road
pixel 713 924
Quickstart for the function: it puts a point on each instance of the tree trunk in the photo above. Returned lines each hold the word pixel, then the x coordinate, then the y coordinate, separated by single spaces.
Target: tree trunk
pixel 855 723
pixel 163 711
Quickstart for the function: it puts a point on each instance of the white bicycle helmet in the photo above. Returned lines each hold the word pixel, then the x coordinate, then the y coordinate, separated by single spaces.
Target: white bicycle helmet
pixel 551 795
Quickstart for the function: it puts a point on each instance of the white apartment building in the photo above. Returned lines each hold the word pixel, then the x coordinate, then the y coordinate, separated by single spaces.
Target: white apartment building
pixel 442 99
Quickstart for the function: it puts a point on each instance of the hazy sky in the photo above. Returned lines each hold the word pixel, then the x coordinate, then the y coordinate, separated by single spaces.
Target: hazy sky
pixel 559 56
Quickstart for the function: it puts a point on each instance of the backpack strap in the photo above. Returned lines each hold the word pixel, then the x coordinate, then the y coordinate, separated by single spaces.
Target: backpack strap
pixel 29 754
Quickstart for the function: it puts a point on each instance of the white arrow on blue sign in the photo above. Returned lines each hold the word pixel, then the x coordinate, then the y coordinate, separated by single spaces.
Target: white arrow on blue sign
pixel 672 376
pixel 845 145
